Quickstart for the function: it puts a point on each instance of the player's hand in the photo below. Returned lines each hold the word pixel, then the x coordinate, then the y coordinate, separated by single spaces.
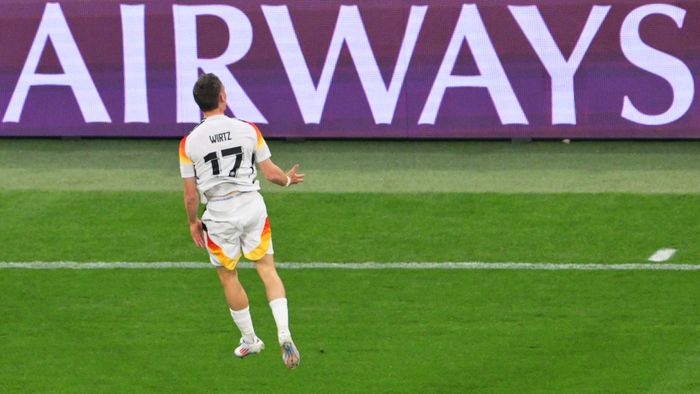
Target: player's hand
pixel 197 233
pixel 296 178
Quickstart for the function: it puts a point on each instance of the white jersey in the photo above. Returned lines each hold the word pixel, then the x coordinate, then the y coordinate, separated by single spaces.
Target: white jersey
pixel 221 153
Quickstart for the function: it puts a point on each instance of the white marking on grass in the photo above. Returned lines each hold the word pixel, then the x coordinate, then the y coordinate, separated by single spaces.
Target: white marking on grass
pixel 45 265
pixel 662 255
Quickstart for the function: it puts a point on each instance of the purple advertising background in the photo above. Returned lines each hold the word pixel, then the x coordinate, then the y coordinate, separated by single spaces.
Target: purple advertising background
pixel 604 78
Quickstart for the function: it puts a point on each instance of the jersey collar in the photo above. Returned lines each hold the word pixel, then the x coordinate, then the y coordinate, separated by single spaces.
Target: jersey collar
pixel 214 117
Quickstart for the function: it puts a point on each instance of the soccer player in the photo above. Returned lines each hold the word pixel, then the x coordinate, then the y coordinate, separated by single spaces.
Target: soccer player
pixel 217 163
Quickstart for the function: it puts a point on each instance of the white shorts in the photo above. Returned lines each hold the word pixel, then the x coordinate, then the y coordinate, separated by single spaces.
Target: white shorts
pixel 237 223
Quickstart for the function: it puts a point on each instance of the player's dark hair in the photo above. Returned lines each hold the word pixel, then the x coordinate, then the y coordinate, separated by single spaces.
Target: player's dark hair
pixel 206 92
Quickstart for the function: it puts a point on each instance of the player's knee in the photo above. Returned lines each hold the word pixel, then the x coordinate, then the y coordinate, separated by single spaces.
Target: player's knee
pixel 265 270
pixel 268 274
pixel 263 267
pixel 226 275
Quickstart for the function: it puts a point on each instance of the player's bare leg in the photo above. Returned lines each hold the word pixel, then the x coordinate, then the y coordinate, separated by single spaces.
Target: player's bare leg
pixel 274 288
pixel 237 300
pixel 236 296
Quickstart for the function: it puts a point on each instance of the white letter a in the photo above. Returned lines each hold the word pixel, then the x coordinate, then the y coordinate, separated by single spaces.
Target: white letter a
pixel 470 27
pixel 53 26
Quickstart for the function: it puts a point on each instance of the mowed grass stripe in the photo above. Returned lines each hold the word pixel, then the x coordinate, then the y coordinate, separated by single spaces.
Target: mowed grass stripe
pixel 358 331
pixel 647 167
pixel 557 228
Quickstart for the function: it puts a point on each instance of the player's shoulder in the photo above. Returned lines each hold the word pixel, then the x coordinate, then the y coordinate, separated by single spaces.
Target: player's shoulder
pixel 183 140
pixel 244 124
pixel 191 141
pixel 182 150
pixel 252 125
pixel 256 132
pixel 198 128
pixel 250 130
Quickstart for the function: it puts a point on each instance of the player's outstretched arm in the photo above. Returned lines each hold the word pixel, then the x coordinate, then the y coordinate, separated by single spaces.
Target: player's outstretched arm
pixel 275 174
pixel 192 207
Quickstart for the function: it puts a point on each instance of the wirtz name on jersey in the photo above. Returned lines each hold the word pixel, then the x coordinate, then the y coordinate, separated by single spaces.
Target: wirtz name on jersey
pixel 221 137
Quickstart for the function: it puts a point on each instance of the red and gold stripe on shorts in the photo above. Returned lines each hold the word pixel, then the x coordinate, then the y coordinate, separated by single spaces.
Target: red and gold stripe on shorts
pixel 265 237
pixel 216 250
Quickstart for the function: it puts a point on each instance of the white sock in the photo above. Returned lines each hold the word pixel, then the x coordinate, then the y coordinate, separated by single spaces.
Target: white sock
pixel 245 324
pixel 279 312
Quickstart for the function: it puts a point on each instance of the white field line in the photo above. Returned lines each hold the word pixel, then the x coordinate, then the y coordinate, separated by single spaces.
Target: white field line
pixel 662 255
pixel 45 265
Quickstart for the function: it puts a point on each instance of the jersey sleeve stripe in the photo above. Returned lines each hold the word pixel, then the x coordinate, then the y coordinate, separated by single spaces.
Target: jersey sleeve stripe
pixel 184 159
pixel 261 140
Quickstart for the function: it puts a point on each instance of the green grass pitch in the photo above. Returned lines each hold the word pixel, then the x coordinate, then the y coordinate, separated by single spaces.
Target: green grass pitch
pixel 359 331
